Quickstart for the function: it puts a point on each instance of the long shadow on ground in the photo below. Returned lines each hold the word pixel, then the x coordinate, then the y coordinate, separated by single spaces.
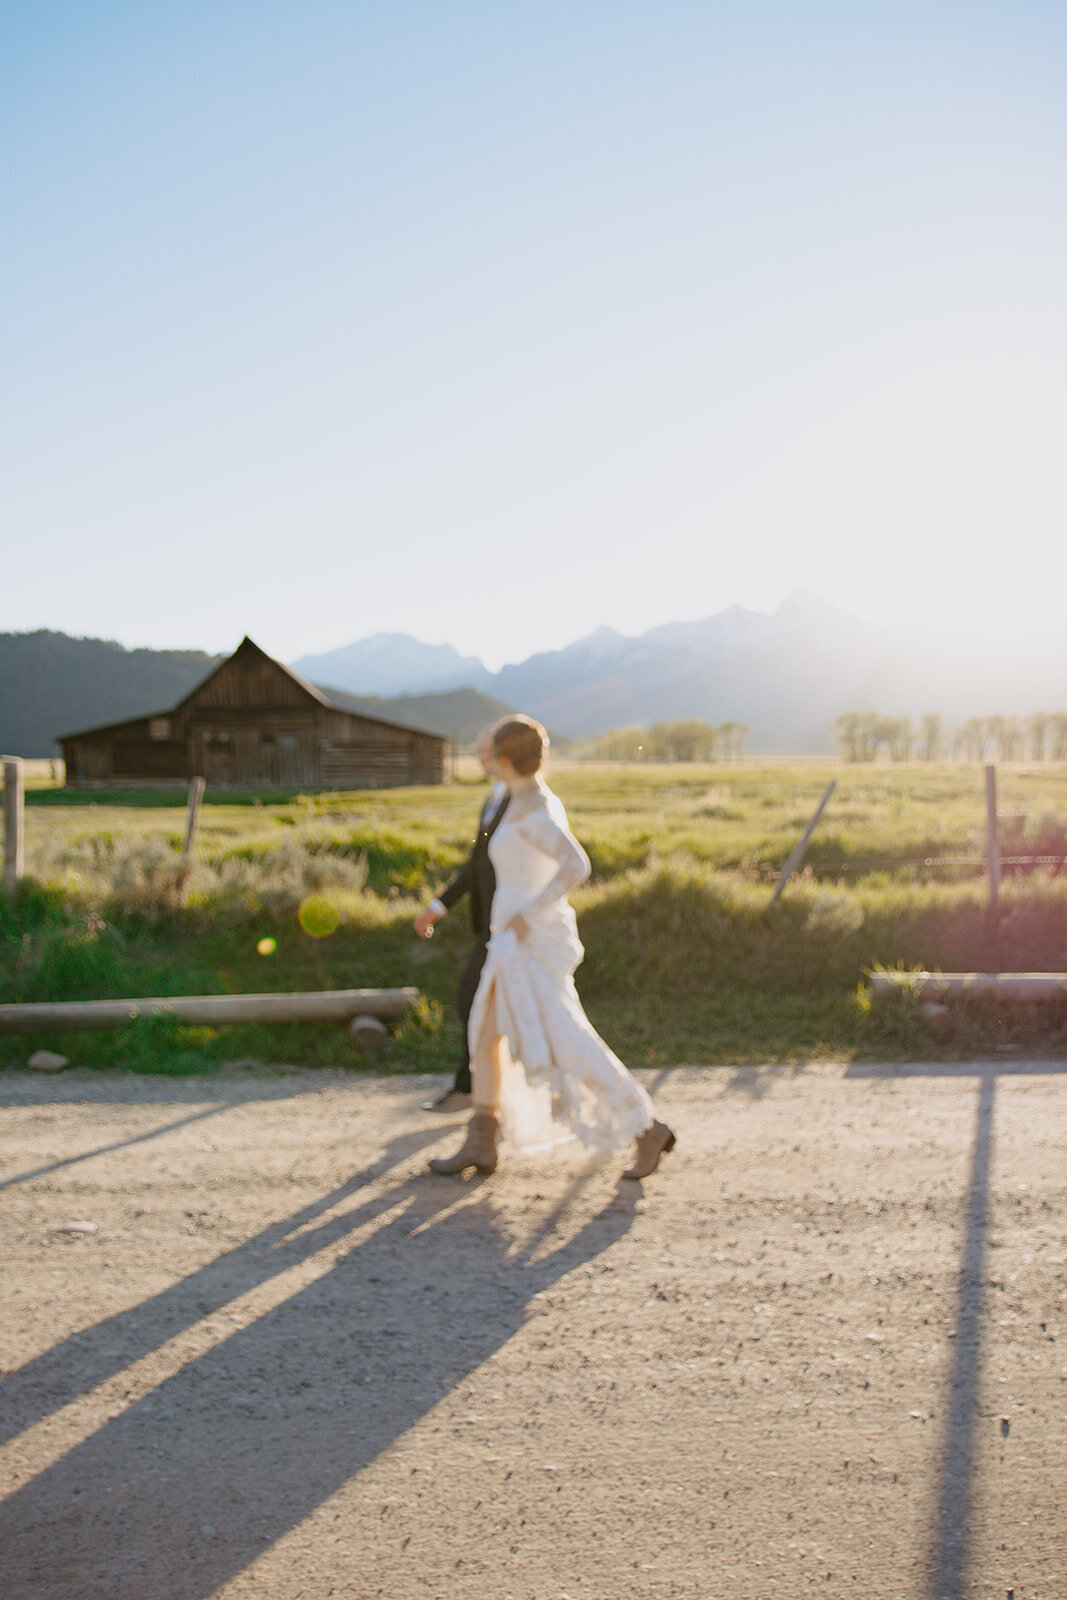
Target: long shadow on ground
pixel 185 1488
pixel 951 1533
pixel 108 1149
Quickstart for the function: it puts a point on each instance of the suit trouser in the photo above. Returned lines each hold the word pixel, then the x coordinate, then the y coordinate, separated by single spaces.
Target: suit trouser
pixel 468 988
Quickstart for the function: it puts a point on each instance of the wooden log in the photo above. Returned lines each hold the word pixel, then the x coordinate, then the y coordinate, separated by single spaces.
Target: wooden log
pixel 1024 986
pixel 368 1035
pixel 209 1010
pixel 14 821
pixel 939 1019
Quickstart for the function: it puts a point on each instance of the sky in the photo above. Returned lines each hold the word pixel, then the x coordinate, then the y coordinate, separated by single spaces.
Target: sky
pixel 493 323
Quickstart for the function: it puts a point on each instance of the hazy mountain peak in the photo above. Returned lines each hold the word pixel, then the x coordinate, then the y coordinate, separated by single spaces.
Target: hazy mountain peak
pixel 601 641
pixel 805 607
pixel 394 663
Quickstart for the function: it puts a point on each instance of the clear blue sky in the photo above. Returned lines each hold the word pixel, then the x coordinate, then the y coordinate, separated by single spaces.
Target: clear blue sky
pixel 494 322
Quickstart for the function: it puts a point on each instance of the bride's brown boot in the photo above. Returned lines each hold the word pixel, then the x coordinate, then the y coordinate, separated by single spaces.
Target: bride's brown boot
pixel 653 1143
pixel 478 1148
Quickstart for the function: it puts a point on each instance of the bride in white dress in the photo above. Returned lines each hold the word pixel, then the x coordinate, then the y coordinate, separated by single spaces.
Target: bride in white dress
pixel 540 1070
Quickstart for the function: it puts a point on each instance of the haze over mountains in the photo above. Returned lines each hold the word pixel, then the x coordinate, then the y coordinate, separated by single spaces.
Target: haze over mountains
pixel 788 675
pixel 51 684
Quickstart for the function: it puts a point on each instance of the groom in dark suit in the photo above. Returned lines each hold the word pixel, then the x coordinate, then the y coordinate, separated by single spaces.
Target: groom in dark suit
pixel 476 879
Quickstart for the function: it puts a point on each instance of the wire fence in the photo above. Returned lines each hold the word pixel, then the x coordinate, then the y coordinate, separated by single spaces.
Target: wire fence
pixel 830 869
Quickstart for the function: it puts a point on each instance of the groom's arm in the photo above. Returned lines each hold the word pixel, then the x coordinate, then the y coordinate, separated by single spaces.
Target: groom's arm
pixel 460 885
pixel 463 882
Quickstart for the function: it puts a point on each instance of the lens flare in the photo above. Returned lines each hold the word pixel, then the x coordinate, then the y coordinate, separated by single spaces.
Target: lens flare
pixel 318 916
pixel 267 947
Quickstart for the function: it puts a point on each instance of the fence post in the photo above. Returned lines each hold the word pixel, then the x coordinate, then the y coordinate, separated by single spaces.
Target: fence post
pixel 992 837
pixel 14 818
pixel 801 845
pixel 196 795
pixel 192 818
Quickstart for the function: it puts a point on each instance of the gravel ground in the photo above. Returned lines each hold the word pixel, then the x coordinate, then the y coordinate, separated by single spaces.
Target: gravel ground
pixel 253 1349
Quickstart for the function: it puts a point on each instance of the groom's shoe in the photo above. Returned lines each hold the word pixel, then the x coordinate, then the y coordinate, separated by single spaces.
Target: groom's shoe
pixel 449 1103
pixel 653 1143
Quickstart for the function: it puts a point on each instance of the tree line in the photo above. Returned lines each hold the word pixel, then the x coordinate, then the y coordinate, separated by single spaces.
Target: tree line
pixel 685 740
pixel 862 735
pixel 52 684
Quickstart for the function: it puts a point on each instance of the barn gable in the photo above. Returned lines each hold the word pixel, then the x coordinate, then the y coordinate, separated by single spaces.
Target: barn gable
pixel 251 679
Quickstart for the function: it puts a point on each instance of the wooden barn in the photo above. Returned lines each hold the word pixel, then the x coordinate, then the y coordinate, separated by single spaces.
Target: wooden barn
pixel 254 724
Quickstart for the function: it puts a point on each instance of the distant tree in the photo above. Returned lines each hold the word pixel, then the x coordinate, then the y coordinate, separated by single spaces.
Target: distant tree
pixel 52 684
pixel 931 737
pixel 897 735
pixel 971 739
pixel 858 734
pixel 1057 748
pixel 733 736
pixel 685 740
pixel 695 740
pixel 620 744
pixel 1008 733
pixel 1036 730
pixel 846 735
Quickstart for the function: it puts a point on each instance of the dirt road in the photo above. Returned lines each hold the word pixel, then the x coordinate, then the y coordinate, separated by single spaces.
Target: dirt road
pixel 253 1349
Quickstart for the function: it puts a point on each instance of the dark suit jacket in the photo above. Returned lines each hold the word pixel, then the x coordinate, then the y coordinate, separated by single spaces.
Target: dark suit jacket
pixel 476 877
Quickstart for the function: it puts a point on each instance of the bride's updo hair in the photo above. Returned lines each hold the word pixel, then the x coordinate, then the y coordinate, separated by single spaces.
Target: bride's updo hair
pixel 523 741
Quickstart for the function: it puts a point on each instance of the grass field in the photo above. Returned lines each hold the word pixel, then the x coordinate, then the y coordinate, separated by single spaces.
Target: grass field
pixel 687 960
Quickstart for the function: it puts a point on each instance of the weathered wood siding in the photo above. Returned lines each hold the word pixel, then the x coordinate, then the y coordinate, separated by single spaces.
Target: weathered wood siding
pixel 127 753
pixel 381 753
pixel 248 681
pixel 366 765
pixel 253 724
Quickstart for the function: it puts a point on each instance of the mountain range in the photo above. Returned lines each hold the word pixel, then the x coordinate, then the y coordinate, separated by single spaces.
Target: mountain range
pixel 787 674
pixel 52 684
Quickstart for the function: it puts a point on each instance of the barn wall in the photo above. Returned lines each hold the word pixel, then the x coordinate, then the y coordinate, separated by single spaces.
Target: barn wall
pixel 128 753
pixel 256 751
pixel 156 762
pixel 250 725
pixel 86 761
pixel 249 748
pixel 358 752
pixel 427 760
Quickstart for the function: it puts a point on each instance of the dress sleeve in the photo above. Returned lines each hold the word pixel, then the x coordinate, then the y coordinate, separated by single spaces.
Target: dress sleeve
pixel 552 836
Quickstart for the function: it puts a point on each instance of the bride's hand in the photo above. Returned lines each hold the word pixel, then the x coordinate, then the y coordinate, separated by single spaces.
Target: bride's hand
pixel 518 926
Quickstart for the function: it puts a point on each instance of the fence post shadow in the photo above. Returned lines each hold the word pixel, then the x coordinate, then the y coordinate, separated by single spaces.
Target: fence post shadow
pixel 954 1505
pixel 108 1149
pixel 951 1530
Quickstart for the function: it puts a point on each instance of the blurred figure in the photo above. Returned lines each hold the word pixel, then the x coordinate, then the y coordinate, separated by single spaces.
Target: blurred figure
pixel 541 1072
pixel 475 879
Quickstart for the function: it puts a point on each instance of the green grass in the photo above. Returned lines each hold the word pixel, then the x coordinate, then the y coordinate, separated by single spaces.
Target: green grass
pixel 686 959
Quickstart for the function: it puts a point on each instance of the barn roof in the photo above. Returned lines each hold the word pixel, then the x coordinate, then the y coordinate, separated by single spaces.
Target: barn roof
pixel 334 700
pixel 246 645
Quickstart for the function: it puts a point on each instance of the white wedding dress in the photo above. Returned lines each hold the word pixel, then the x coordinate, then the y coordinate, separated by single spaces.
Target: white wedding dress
pixel 559 1077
